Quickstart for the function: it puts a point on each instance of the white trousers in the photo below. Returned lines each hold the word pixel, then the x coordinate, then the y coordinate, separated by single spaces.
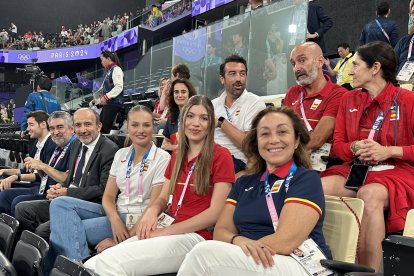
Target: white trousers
pixel 220 258
pixel 144 257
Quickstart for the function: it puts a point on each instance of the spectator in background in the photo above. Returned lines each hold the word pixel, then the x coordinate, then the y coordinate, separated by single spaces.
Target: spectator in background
pixel 402 48
pixel 155 18
pixel 318 24
pixel 10 110
pixel 341 70
pixel 112 87
pixel 4 38
pixel 4 114
pixel 40 100
pixel 13 30
pixel 380 29
pixel 410 19
pixel 180 92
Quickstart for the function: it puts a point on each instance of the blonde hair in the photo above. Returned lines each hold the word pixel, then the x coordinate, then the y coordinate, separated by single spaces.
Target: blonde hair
pixel 134 109
pixel 203 166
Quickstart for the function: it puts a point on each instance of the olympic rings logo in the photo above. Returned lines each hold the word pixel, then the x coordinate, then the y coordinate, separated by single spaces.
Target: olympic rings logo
pixel 23 57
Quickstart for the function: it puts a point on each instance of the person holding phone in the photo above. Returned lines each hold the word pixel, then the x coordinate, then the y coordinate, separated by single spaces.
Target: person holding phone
pixel 374 127
pixel 198 180
pixel 280 191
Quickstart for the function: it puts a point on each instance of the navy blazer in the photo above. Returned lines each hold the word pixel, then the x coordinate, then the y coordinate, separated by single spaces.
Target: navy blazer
pixel 318 22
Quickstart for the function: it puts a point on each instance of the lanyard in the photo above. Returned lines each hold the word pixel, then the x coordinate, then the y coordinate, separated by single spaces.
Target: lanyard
pixel 55 161
pixel 410 48
pixel 183 191
pixel 228 114
pixel 140 174
pixel 302 111
pixel 376 125
pixel 269 199
pixel 382 29
pixel 62 153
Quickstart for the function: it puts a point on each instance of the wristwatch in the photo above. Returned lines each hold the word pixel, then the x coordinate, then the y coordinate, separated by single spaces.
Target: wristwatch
pixel 220 121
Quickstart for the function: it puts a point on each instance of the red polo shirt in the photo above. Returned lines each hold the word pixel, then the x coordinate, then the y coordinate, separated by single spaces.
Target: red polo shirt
pixel 316 105
pixel 222 170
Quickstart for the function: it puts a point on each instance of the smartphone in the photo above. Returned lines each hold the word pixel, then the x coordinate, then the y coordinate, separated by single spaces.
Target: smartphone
pixel 356 176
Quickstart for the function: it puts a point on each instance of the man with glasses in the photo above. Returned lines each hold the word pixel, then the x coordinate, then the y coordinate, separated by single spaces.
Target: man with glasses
pixel 235 109
pixel 85 177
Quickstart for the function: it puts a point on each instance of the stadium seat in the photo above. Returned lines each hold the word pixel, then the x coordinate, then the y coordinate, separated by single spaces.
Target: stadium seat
pixel 30 254
pixel 6 267
pixel 66 267
pixel 409 224
pixel 8 229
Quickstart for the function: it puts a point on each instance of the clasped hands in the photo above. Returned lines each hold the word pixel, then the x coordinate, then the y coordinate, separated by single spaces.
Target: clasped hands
pixel 371 152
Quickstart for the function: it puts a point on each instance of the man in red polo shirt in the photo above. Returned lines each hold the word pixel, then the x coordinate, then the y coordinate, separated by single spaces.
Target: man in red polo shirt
pixel 315 98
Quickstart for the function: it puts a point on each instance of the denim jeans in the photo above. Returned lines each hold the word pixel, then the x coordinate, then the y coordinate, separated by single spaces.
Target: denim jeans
pixel 74 225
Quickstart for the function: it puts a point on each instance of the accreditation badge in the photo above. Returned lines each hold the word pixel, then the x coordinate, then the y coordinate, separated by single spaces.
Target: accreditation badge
pixel 406 73
pixel 131 219
pixel 164 220
pixel 308 254
pixel 315 104
pixel 316 157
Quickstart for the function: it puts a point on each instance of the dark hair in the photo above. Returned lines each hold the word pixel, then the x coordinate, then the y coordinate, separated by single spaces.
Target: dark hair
pixel 112 56
pixel 44 83
pixel 256 163
pixel 343 45
pixel 232 58
pixel 378 51
pixel 39 116
pixel 383 8
pixel 181 70
pixel 174 110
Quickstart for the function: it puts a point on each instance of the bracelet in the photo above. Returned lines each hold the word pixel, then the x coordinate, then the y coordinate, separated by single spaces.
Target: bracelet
pixel 19 175
pixel 354 147
pixel 235 236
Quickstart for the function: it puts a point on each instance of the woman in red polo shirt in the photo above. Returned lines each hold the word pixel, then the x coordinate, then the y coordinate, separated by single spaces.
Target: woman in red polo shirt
pixel 375 127
pixel 199 178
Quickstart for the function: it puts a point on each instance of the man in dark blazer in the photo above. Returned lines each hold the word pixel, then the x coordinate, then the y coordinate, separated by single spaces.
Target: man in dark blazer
pixel 89 165
pixel 318 24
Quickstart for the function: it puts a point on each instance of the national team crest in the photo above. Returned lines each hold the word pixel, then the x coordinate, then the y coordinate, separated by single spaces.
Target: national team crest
pixel 276 186
pixel 237 113
pixel 394 114
pixel 315 104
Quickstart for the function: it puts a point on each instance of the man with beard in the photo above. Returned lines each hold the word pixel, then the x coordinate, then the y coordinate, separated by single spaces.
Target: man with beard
pixel 235 109
pixel 88 170
pixel 315 98
pixel 42 150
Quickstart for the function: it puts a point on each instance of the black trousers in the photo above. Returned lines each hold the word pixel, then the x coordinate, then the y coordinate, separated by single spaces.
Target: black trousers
pixel 34 216
pixel 108 115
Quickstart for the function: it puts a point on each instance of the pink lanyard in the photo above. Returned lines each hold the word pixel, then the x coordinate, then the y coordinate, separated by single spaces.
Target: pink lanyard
pixel 183 191
pixel 140 174
pixel 302 111
pixel 269 198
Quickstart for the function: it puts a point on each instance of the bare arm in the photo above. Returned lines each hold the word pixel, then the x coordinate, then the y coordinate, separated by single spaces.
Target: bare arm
pixel 58 176
pixel 321 133
pixel 206 218
pixel 295 224
pixel 9 171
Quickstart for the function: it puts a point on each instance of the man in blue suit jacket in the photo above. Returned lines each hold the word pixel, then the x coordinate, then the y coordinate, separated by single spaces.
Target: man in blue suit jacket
pixel 318 24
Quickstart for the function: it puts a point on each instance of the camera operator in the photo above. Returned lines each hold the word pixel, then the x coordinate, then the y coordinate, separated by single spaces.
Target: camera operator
pixel 41 99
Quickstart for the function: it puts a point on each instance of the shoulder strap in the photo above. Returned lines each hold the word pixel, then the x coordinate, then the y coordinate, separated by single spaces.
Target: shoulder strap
pixel 346 59
pixel 44 102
